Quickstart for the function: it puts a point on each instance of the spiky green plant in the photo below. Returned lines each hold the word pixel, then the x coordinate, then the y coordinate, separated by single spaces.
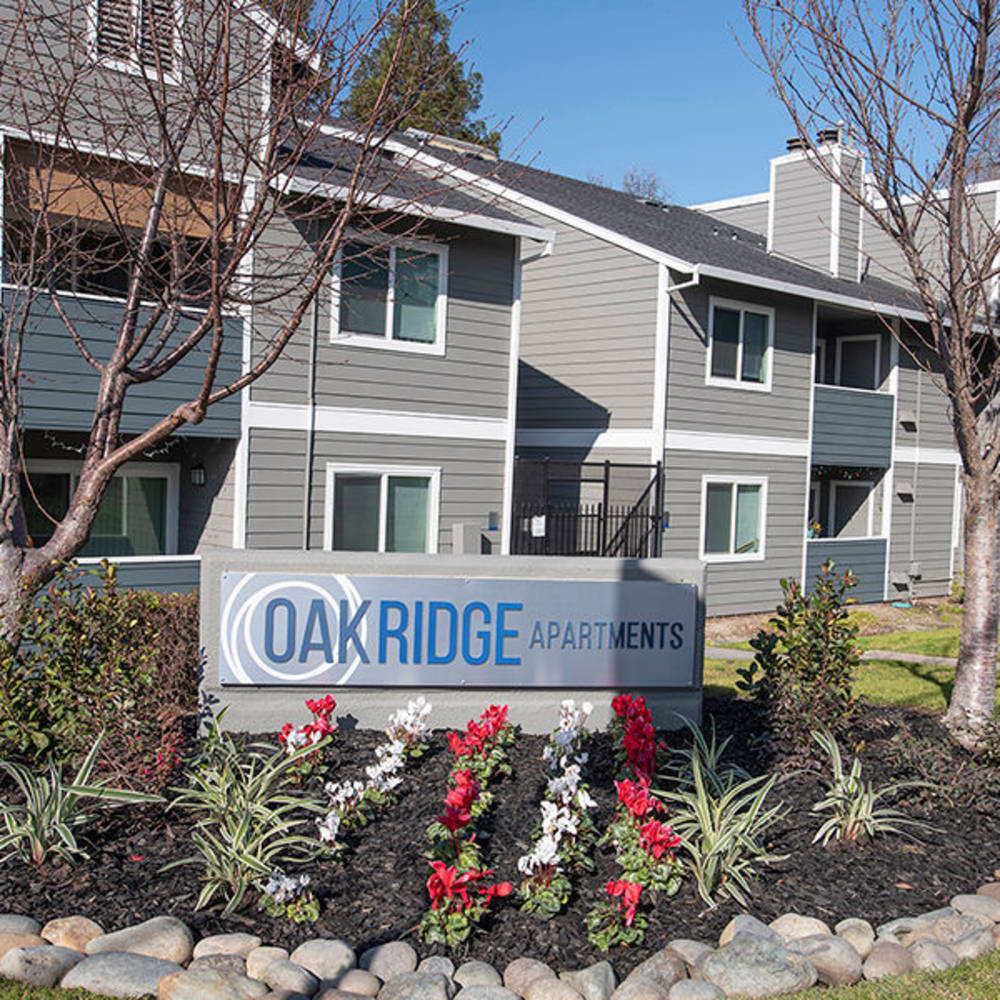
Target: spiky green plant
pixel 717 773
pixel 722 832
pixel 47 822
pixel 247 824
pixel 854 804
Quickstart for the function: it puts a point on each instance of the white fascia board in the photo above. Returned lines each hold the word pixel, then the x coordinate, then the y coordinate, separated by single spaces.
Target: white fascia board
pixel 742 444
pixel 980 187
pixel 738 202
pixel 585 437
pixel 392 423
pixel 908 454
pixel 337 192
pixel 808 292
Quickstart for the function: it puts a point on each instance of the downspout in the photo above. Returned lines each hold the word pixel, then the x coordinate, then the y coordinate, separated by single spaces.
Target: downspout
pixel 310 449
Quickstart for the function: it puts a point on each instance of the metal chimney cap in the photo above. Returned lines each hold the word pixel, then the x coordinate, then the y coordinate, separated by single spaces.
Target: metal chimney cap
pixel 828 135
pixel 797 142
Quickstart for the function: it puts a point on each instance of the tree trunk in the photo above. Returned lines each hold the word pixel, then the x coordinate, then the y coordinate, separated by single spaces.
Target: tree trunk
pixel 971 707
pixel 11 565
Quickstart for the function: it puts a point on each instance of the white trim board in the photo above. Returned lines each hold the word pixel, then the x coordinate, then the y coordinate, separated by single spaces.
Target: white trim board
pixel 924 456
pixel 510 438
pixel 585 437
pixel 737 202
pixel 633 437
pixel 740 444
pixel 395 423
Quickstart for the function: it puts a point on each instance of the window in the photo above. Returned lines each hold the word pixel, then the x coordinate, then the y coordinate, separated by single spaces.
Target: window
pixel 851 509
pixel 391 297
pixel 732 519
pixel 858 361
pixel 138 516
pixel 137 35
pixel 740 343
pixel 381 508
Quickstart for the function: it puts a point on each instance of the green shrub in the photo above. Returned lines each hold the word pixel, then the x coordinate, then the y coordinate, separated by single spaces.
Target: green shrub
pixel 45 824
pixel 804 668
pixel 102 659
pixel 956 594
pixel 855 805
pixel 247 824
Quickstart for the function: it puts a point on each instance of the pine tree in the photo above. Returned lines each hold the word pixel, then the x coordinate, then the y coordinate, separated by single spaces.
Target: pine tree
pixel 431 88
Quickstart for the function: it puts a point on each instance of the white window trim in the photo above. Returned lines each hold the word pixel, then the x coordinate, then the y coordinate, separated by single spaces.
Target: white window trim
pixel 734 481
pixel 857 339
pixel 819 361
pixel 386 343
pixel 136 66
pixel 737 382
pixel 431 472
pixel 170 471
pixel 832 508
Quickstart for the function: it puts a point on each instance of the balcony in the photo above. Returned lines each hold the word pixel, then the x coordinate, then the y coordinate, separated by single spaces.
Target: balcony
pixel 852 427
pixel 59 388
pixel 865 557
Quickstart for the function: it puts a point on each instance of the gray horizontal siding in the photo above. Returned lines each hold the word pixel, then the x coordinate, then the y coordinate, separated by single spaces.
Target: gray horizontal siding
pixel 58 387
pixel 852 427
pixel 752 216
pixel 471 378
pixel 920 396
pixel 850 222
pixel 588 334
pixel 739 587
pixel 471 481
pixel 628 476
pixel 802 213
pixel 864 557
pixel 693 405
pixel 922 526
pixel 164 576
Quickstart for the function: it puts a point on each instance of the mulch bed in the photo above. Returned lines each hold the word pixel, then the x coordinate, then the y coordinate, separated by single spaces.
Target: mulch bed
pixel 377 892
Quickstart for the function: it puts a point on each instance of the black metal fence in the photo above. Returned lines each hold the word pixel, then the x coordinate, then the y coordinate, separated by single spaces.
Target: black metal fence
pixel 543 526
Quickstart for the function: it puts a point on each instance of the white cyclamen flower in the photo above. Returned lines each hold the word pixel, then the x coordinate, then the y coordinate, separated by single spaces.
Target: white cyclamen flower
pixel 329 827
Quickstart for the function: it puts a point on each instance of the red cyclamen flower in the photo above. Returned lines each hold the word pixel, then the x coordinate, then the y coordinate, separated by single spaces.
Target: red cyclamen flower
pixel 657 838
pixel 626 895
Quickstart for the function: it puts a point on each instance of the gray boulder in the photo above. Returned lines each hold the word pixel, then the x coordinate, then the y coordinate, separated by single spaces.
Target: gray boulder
pixel 834 958
pixel 973 945
pixel 793 925
pixel 208 984
pixel 745 924
pixel 978 905
pixel 117 974
pixel 165 938
pixel 15 923
pixel 887 959
pixel 859 933
pixel 221 963
pixel 40 965
pixel 389 960
pixel 753 966
pixel 932 956
pixel 417 986
pixel 664 968
pixel 483 992
pixel 325 958
pixel 519 974
pixel 550 988
pixel 694 989
pixel 640 989
pixel 287 975
pixel 226 944
pixel 359 981
pixel 475 973
pixel 596 982
pixel 440 964
pixel 260 958
pixel 693 952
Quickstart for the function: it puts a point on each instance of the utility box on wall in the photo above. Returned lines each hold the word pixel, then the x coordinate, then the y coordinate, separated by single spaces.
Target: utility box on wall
pixel 464 630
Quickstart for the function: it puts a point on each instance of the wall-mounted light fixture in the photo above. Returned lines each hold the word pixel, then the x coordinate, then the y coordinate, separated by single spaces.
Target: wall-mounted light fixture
pixel 198 475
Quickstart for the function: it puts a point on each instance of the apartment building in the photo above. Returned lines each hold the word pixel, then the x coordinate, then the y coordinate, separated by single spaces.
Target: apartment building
pixel 747 345
pixel 388 422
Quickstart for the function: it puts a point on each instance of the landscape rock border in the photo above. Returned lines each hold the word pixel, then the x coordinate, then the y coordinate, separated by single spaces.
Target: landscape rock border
pixel 160 956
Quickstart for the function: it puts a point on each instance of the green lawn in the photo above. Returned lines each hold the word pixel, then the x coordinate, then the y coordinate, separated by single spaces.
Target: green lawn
pixel 18 991
pixel 888 682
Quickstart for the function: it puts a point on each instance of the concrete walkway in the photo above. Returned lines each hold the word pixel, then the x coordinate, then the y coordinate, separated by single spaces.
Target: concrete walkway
pixel 728 653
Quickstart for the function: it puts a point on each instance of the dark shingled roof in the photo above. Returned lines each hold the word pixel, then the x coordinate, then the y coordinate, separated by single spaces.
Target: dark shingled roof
pixel 684 233
pixel 330 160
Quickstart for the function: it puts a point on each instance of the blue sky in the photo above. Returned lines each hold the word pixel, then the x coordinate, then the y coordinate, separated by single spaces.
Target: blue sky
pixel 601 85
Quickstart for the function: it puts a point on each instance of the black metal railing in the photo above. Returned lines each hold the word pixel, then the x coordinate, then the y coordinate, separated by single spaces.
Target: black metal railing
pixel 627 530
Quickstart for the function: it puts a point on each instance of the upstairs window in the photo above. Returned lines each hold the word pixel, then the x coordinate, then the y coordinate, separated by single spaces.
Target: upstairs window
pixel 740 344
pixel 391 297
pixel 137 35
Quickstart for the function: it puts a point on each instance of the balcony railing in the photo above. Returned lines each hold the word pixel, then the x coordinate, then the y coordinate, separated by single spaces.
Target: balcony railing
pixel 163 574
pixel 852 427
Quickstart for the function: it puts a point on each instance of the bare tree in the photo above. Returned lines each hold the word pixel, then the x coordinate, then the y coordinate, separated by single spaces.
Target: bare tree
pixel 643 182
pixel 914 82
pixel 156 153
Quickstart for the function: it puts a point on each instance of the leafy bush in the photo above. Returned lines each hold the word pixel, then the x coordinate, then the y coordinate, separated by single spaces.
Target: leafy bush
pixel 722 832
pixel 854 803
pixel 45 824
pixel 102 659
pixel 956 593
pixel 246 826
pixel 804 668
